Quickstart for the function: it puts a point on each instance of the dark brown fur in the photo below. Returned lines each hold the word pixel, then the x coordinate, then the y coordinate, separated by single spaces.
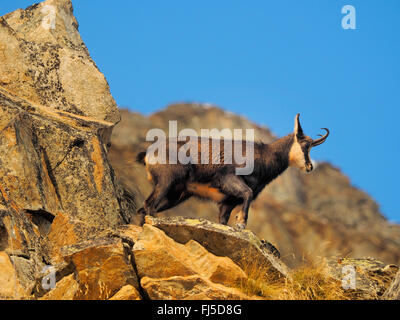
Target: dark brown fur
pixel 175 183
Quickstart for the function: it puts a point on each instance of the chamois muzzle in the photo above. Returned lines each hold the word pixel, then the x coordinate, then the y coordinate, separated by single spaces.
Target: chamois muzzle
pixel 321 140
pixel 309 167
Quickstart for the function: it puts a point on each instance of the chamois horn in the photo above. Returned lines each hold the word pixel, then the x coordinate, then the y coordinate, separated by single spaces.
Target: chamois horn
pixel 321 140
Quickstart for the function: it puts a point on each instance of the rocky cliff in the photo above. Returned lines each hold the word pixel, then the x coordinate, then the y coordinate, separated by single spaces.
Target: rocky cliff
pixel 67 218
pixel 56 118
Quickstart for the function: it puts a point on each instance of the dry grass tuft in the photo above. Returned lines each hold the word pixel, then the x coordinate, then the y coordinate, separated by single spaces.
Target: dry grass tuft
pixel 308 282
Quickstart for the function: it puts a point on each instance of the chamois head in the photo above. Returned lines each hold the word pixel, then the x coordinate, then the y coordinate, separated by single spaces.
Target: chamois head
pixel 299 154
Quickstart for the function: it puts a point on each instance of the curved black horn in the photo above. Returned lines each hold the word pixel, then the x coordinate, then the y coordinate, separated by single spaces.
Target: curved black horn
pixel 321 140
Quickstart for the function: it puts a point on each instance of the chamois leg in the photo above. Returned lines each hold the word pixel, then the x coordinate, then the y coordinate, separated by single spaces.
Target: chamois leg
pixel 156 197
pixel 242 216
pixel 143 211
pixel 168 187
pixel 225 210
pixel 174 197
pixel 234 186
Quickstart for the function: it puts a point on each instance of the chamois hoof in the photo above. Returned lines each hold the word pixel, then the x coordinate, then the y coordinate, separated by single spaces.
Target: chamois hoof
pixel 240 226
pixel 141 213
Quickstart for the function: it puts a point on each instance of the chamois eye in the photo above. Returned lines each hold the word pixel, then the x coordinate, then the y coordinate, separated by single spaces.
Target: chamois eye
pixel 305 144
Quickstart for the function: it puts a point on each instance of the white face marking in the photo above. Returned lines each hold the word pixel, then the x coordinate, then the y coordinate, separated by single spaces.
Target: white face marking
pixel 296 156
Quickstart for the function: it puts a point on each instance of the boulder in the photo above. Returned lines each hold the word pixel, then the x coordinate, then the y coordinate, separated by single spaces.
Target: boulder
pixel 21 242
pixel 10 287
pixel 129 233
pixel 171 270
pixel 372 277
pixel 221 240
pixel 393 292
pixel 102 267
pixel 192 287
pixel 66 289
pixel 94 270
pixel 159 256
pixel 127 292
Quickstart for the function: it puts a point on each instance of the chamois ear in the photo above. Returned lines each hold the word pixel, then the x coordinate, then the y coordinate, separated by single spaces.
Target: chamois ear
pixel 298 131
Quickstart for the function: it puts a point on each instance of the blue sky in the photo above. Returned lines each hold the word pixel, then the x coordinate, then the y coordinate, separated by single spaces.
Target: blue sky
pixel 266 60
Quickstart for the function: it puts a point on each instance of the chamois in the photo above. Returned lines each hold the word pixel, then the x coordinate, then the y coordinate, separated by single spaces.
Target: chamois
pixel 175 183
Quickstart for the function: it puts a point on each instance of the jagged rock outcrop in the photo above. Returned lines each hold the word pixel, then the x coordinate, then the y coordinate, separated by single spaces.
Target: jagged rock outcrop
pixel 57 115
pixel 177 259
pixel 132 263
pixel 46 63
pixel 101 268
pixel 52 164
pixel 57 187
pixel 170 270
pixel 223 241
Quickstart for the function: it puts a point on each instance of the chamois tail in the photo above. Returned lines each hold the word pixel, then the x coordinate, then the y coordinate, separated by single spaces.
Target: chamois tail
pixel 140 157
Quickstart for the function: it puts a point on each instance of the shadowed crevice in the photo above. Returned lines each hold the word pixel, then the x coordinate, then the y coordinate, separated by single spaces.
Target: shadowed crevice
pixel 42 219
